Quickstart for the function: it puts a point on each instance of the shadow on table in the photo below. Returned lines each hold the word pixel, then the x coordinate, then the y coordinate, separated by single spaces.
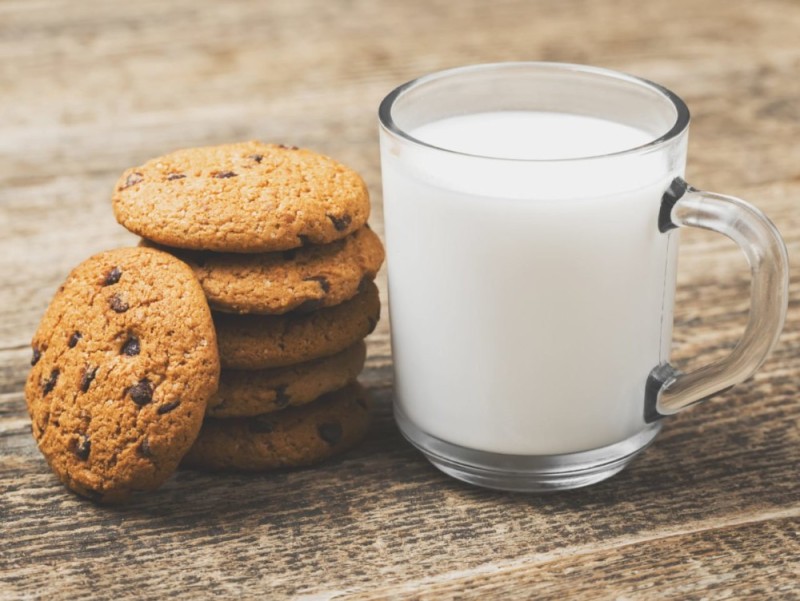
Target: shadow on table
pixel 704 465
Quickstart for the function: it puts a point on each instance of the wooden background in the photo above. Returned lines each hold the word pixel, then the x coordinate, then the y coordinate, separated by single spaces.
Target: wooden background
pixel 89 87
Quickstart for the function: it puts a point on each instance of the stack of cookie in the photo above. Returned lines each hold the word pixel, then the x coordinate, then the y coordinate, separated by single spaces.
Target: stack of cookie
pixel 278 240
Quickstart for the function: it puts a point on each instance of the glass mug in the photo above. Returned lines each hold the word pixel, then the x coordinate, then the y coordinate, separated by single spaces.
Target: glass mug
pixel 532 213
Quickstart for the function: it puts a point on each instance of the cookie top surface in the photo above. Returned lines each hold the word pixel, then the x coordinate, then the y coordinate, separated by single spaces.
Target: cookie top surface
pixel 306 278
pixel 124 361
pixel 253 392
pixel 293 437
pixel 266 341
pixel 245 197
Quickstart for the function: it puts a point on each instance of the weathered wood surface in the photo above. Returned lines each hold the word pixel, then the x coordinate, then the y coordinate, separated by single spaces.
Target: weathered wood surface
pixel 88 88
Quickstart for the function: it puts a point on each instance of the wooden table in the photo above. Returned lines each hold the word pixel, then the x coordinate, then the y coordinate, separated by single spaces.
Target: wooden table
pixel 88 88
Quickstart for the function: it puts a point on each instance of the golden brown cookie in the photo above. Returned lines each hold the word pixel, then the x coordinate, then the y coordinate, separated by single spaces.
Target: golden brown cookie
pixel 245 393
pixel 266 341
pixel 294 437
pixel 246 197
pixel 302 279
pixel 124 361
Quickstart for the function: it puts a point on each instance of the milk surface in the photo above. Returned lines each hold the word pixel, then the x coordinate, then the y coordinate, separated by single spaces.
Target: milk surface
pixel 530 135
pixel 529 299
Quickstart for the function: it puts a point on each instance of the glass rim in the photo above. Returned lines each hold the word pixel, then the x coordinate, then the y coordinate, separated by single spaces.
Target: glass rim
pixel 678 127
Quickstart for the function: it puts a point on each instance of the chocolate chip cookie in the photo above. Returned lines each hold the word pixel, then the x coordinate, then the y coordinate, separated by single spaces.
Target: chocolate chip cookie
pixel 266 341
pixel 124 361
pixel 294 437
pixel 245 197
pixel 302 279
pixel 245 393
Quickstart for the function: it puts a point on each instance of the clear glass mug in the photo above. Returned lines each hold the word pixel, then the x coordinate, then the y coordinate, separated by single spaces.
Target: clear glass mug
pixel 531 300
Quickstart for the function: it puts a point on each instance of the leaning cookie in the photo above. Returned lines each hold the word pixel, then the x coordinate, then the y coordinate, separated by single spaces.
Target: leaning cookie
pixel 266 341
pixel 302 279
pixel 248 197
pixel 246 393
pixel 294 437
pixel 124 362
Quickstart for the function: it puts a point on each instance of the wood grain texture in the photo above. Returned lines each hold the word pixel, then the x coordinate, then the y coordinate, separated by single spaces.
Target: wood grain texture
pixel 712 510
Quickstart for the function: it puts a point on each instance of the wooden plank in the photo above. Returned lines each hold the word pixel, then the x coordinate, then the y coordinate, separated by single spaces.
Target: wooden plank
pixel 91 87
pixel 706 564
pixel 384 515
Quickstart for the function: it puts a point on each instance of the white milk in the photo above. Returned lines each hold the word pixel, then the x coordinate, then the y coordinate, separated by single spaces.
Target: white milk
pixel 527 299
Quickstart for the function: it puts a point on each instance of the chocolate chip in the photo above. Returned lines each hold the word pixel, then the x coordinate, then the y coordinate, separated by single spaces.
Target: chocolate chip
pixel 37 354
pixel 261 425
pixel 223 174
pixel 321 280
pixel 117 304
pixel 256 157
pixel 289 255
pixel 133 179
pixel 281 398
pixel 131 347
pixel 73 340
pixel 285 147
pixel 340 223
pixel 167 407
pixel 310 305
pixel 144 448
pixel 112 277
pixel 88 377
pixel 142 392
pixel 330 432
pixel 373 323
pixel 363 284
pixel 50 382
pixel 304 240
pixel 174 176
pixel 83 447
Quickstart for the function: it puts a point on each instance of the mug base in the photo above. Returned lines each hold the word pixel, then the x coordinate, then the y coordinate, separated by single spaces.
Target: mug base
pixel 527 473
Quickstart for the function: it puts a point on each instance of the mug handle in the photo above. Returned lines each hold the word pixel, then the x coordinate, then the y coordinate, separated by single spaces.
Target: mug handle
pixel 669 390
